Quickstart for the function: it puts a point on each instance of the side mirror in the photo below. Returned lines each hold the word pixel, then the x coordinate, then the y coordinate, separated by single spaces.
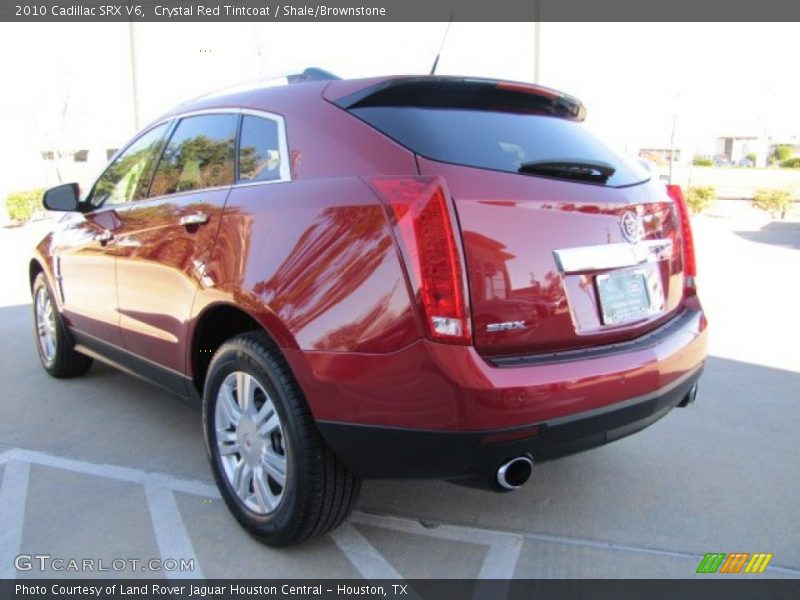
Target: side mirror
pixel 64 198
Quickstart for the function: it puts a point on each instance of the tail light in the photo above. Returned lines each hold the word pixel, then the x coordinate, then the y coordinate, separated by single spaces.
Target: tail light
pixel 689 262
pixel 424 225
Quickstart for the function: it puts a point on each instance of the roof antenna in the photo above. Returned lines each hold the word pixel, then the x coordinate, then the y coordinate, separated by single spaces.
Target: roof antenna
pixel 444 38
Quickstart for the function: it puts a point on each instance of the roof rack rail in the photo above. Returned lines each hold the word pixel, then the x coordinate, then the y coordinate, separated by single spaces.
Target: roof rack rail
pixel 312 74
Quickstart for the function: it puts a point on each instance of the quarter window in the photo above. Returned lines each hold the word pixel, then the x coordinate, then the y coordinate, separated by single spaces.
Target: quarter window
pixel 199 155
pixel 128 176
pixel 259 150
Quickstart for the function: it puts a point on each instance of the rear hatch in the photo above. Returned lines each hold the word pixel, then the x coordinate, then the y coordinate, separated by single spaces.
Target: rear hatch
pixel 567 244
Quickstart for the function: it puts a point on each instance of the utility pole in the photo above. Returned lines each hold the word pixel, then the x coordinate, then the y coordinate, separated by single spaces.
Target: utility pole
pixel 134 81
pixel 672 144
pixel 672 135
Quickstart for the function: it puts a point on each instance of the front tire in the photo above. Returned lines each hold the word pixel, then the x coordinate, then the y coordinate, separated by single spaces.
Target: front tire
pixel 277 476
pixel 56 351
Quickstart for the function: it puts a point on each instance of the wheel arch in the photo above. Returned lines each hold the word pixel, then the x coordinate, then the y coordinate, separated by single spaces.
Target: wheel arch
pixel 213 326
pixel 34 268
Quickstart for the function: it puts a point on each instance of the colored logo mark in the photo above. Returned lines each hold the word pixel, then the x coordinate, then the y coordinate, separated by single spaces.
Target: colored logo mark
pixel 720 562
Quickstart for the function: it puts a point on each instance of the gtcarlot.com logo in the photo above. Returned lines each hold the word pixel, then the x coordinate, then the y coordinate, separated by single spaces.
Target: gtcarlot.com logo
pixel 720 562
pixel 47 562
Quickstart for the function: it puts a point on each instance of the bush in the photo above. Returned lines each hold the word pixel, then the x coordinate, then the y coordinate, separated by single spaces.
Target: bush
pixel 700 197
pixel 791 163
pixel 782 152
pixel 774 201
pixel 702 161
pixel 751 156
pixel 21 206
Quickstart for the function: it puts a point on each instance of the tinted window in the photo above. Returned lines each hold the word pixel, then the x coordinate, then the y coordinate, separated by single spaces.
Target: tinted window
pixel 128 176
pixel 199 155
pixel 501 141
pixel 259 150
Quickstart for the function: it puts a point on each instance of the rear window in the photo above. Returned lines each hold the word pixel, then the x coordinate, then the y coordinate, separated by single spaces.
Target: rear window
pixel 502 141
pixel 199 155
pixel 259 150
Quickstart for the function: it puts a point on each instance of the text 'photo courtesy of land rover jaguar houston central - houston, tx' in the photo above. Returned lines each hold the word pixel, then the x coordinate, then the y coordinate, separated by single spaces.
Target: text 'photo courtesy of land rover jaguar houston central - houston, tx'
pixel 399 277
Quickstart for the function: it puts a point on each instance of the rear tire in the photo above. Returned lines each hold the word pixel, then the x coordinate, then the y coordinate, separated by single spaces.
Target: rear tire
pixel 53 343
pixel 277 476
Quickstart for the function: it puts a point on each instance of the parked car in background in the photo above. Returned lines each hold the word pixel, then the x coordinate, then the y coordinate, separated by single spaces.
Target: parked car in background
pixel 398 277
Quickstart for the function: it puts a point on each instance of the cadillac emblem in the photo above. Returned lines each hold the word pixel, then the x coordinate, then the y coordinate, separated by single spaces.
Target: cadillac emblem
pixel 631 226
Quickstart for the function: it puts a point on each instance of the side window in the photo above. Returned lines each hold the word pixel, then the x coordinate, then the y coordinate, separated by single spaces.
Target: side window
pixel 259 150
pixel 199 155
pixel 127 177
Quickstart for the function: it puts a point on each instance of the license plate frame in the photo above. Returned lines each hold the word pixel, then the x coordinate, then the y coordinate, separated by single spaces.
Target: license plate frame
pixel 624 296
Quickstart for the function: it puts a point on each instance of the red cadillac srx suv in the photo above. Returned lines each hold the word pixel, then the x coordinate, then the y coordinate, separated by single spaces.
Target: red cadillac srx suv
pixel 399 277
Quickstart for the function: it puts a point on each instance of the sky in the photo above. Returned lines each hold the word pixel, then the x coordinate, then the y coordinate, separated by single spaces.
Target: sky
pixel 71 84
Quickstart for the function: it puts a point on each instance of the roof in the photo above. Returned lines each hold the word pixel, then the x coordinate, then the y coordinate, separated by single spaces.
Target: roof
pixel 287 90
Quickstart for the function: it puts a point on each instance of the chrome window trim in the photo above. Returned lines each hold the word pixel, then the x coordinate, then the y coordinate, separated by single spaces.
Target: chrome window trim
pixel 611 256
pixel 139 135
pixel 283 143
pixel 283 146
pixel 173 120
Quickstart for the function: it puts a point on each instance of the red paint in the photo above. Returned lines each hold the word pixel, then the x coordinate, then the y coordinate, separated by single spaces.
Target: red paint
pixel 511 224
pixel 316 262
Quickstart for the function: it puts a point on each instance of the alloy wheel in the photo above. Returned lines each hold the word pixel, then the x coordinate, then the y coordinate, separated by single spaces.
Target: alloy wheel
pixel 45 324
pixel 251 442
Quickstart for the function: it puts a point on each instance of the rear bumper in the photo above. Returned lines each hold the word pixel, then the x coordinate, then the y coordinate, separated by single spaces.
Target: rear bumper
pixel 386 452
pixel 434 410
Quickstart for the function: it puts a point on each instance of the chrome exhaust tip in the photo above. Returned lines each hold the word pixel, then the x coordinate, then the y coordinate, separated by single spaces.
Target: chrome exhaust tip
pixel 690 397
pixel 515 473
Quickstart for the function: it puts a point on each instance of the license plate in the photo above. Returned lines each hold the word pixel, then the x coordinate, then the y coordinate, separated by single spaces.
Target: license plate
pixel 623 296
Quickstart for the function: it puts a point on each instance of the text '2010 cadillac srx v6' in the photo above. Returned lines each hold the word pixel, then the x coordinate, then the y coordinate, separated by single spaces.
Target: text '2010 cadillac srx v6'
pixel 400 277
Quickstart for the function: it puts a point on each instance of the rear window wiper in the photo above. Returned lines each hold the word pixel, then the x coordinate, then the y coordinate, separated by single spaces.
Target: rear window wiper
pixel 597 172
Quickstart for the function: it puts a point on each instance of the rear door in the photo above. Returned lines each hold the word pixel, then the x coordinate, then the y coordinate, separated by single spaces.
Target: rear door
pixel 567 244
pixel 164 241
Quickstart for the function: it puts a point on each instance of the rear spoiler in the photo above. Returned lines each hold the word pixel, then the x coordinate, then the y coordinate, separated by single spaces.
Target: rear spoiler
pixel 465 93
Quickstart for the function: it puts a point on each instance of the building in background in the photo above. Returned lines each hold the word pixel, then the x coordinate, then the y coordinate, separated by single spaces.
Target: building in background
pixel 741 150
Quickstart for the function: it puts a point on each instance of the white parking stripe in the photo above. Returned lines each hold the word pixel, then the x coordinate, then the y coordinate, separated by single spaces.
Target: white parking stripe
pixel 7 455
pixel 501 558
pixel 171 535
pixel 13 493
pixel 500 563
pixel 197 488
pixel 367 561
pixel 456 533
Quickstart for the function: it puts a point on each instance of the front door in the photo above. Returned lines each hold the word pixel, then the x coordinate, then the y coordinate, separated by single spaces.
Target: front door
pixel 164 241
pixel 85 247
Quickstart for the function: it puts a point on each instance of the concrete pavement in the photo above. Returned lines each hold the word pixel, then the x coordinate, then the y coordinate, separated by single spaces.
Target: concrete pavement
pixel 107 466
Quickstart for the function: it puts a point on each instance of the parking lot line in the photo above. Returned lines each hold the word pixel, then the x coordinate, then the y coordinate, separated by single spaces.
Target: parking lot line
pixel 171 536
pixel 501 557
pixel 174 542
pixel 365 558
pixel 127 474
pixel 13 496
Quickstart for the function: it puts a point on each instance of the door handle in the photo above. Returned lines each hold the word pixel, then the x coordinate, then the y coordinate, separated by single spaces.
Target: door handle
pixel 104 236
pixel 197 218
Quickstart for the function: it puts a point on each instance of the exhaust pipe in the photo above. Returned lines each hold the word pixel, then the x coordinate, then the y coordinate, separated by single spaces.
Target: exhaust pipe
pixel 514 473
pixel 690 397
